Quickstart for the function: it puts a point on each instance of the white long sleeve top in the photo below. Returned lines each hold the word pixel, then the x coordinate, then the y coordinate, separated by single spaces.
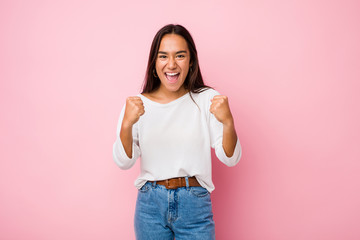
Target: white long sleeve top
pixel 175 140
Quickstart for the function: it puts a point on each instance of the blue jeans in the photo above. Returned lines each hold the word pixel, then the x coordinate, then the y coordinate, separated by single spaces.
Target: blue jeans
pixel 184 213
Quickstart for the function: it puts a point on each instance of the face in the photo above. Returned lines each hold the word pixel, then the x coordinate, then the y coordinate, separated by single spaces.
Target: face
pixel 172 63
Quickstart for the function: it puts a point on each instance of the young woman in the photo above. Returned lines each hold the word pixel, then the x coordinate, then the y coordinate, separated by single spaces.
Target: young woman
pixel 172 125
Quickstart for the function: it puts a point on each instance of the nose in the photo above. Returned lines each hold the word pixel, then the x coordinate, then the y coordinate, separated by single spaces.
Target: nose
pixel 172 63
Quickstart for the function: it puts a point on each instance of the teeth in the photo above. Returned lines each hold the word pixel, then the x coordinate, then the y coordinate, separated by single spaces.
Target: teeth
pixel 172 74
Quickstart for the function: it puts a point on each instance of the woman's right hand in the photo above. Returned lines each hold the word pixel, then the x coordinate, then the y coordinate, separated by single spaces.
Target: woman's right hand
pixel 133 110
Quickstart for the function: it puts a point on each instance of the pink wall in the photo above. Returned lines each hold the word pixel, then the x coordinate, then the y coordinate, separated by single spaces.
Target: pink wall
pixel 291 70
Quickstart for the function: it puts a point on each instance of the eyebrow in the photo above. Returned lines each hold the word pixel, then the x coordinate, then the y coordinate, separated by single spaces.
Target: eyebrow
pixel 182 51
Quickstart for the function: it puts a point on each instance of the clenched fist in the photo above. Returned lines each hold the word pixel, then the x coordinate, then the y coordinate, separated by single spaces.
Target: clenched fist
pixel 221 110
pixel 133 110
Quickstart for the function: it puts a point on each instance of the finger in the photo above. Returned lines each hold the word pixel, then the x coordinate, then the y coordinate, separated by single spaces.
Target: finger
pixel 133 98
pixel 140 108
pixel 219 101
pixel 136 100
pixel 139 104
pixel 215 104
pixel 218 96
pixel 215 101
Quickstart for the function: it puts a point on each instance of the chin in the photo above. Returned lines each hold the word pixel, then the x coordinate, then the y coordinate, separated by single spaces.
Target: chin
pixel 173 89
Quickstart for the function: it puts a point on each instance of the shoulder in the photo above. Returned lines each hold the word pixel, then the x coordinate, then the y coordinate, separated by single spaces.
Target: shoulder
pixel 207 94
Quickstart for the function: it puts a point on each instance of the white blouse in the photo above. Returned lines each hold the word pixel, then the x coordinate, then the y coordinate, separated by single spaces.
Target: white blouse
pixel 174 140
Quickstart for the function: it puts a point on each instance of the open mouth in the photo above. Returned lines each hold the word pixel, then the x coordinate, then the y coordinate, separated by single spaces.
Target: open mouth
pixel 172 77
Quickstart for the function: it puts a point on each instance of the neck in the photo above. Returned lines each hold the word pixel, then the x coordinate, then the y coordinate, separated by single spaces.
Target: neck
pixel 165 94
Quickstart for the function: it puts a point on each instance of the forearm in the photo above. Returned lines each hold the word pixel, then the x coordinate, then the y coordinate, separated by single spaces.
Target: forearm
pixel 229 138
pixel 126 138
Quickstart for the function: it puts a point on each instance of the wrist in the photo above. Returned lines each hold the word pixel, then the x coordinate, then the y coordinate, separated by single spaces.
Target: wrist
pixel 126 125
pixel 229 123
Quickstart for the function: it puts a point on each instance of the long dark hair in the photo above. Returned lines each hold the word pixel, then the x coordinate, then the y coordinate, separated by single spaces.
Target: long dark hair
pixel 194 81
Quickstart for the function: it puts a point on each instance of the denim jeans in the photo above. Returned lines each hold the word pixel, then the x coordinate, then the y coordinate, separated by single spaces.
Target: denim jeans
pixel 184 213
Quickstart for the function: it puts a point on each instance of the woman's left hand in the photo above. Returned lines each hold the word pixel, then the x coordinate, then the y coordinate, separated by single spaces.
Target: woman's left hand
pixel 221 110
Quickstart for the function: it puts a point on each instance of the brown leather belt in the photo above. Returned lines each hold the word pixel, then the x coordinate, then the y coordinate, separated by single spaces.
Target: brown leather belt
pixel 173 183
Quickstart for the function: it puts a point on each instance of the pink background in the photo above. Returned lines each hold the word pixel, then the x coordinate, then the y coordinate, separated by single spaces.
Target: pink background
pixel 291 70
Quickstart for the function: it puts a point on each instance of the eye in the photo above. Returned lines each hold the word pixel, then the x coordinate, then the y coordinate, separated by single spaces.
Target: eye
pixel 180 56
pixel 162 56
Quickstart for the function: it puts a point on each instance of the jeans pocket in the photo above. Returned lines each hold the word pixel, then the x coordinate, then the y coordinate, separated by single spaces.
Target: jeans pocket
pixel 199 191
pixel 145 188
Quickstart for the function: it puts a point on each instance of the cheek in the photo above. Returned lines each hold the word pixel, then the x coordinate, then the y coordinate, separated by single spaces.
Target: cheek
pixel 186 69
pixel 160 63
pixel 187 66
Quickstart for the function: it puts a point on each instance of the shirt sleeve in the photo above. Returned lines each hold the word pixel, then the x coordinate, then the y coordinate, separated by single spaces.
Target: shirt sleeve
pixel 119 155
pixel 216 138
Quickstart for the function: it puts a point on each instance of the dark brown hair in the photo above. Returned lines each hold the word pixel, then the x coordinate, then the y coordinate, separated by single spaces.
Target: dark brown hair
pixel 194 81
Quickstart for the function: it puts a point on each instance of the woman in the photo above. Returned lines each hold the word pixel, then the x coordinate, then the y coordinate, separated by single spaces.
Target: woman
pixel 172 125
